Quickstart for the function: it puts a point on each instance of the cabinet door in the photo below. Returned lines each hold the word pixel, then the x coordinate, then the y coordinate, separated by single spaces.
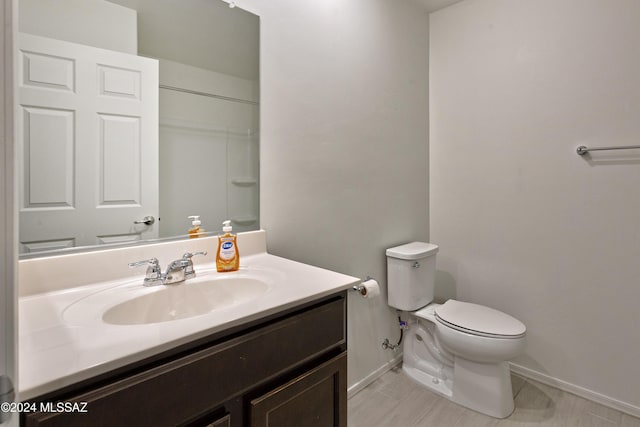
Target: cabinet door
pixel 222 422
pixel 314 399
pixel 212 421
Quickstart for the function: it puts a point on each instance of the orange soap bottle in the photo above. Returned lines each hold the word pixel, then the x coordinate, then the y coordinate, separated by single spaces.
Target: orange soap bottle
pixel 195 230
pixel 227 255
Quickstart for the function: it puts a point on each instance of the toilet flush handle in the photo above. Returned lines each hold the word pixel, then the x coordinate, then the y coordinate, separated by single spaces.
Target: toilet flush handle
pixel 416 264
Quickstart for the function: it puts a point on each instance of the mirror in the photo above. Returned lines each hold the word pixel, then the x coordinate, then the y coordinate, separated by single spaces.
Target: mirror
pixel 133 115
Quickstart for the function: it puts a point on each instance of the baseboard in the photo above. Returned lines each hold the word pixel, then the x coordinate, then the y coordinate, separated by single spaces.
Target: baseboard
pixel 577 390
pixel 354 389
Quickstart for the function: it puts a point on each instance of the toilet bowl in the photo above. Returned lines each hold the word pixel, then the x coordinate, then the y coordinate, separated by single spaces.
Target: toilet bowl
pixel 457 349
pixel 479 333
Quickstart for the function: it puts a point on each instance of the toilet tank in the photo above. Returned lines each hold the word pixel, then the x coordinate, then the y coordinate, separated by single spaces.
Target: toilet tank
pixel 411 271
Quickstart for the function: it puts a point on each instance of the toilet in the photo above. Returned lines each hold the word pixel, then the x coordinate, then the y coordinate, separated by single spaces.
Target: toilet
pixel 457 349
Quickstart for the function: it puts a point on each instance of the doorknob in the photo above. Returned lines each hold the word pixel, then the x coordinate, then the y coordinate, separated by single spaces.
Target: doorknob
pixel 147 220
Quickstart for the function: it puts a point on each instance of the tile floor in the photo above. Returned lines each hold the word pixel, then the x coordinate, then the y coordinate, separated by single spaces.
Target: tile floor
pixel 395 400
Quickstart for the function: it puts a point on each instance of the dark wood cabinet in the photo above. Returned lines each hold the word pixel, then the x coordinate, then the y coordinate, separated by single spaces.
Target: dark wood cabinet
pixel 314 399
pixel 222 422
pixel 287 370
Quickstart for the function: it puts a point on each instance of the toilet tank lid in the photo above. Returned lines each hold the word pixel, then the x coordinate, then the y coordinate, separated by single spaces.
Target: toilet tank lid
pixel 413 250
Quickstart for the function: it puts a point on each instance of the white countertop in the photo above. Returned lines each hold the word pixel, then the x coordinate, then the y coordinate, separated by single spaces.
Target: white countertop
pixel 56 351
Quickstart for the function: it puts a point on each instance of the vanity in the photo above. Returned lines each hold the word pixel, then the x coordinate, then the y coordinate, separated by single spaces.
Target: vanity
pixel 114 352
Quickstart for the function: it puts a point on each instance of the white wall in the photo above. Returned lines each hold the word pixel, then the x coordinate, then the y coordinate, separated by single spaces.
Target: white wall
pixel 344 144
pixel 524 224
pixel 96 23
pixel 8 217
pixel 206 144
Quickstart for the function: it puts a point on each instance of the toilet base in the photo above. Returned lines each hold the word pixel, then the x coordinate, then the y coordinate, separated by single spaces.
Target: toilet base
pixel 433 383
pixel 483 387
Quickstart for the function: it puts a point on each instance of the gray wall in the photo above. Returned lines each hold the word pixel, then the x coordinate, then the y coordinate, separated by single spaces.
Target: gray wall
pixel 344 144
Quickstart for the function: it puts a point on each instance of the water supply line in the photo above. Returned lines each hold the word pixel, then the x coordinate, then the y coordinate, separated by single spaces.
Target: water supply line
pixel 386 344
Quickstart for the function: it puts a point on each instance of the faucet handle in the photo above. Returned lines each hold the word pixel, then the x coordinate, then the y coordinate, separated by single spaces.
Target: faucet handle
pixel 153 263
pixel 189 255
pixel 154 272
pixel 189 272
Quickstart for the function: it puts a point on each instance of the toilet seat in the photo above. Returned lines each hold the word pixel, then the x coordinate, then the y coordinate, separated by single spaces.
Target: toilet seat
pixel 478 320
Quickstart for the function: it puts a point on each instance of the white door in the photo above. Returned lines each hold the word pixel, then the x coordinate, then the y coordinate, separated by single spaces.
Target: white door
pixel 88 144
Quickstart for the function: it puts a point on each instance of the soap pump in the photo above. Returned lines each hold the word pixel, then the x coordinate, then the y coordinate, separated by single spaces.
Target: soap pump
pixel 227 255
pixel 195 230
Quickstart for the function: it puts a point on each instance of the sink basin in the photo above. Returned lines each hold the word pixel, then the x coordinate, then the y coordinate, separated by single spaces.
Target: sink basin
pixel 185 300
pixel 133 304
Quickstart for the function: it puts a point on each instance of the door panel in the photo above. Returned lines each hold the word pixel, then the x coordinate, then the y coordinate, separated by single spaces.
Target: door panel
pixel 88 144
pixel 120 174
pixel 48 140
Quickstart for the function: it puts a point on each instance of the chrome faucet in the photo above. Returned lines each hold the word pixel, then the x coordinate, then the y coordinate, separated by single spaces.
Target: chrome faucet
pixel 154 273
pixel 177 271
pixel 189 272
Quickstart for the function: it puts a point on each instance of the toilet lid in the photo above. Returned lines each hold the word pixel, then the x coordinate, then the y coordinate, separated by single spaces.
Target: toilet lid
pixel 479 320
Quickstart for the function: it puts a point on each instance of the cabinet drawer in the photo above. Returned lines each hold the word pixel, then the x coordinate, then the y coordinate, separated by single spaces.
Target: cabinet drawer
pixel 169 394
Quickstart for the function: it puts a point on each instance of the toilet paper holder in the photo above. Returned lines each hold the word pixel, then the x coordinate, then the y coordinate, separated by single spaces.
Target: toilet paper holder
pixel 360 288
